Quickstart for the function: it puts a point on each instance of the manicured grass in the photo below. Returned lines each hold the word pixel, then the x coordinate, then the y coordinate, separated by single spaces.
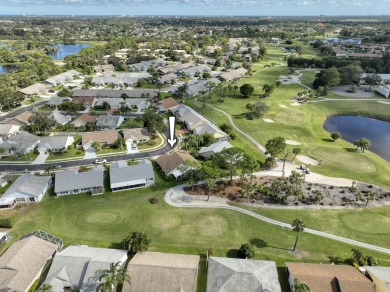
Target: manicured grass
pixel 145 146
pixel 132 123
pixel 308 78
pixel 103 221
pixel 23 157
pixel 45 108
pixel 371 225
pixel 72 153
pixel 305 124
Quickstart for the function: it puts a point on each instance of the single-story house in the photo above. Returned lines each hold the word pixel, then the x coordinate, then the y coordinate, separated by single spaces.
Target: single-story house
pixel 28 188
pixel 63 78
pixel 86 102
pixel 241 275
pixel 199 86
pixel 145 65
pixel 193 71
pixel 24 262
pixel 166 104
pixel 214 148
pixel 170 162
pixel 136 135
pixel 71 182
pixel 124 177
pixel 115 103
pixel 103 68
pixel 162 272
pixel 105 137
pixel 60 118
pixel 54 143
pixel 169 78
pixel 78 267
pixel 197 123
pixel 207 60
pixel 55 101
pixel 112 93
pixel 328 278
pixel 21 143
pixel 8 130
pixel 35 89
pixel 109 122
pixel 383 90
pixel 380 276
pixel 120 79
pixel 384 77
pixel 21 119
pixel 237 73
pixel 175 68
pixel 83 119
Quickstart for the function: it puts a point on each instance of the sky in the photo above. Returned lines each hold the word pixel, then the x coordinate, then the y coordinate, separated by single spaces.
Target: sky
pixel 196 7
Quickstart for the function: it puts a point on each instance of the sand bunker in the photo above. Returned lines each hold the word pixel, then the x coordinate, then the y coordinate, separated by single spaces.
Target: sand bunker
pixel 295 104
pixel 282 106
pixel 269 121
pixel 307 160
pixel 384 102
pixel 292 142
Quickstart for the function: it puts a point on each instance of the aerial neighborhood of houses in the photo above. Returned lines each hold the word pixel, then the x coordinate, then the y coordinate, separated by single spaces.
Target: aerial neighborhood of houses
pixel 101 134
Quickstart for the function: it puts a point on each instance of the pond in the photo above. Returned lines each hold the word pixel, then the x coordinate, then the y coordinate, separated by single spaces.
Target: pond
pixel 4 69
pixel 355 127
pixel 66 50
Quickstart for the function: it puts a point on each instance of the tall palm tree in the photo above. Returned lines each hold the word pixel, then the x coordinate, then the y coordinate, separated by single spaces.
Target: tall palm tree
pixel 112 277
pixel 296 179
pixel 365 144
pixel 298 226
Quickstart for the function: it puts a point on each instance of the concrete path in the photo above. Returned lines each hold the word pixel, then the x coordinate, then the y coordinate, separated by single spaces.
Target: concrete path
pixel 261 147
pixel 178 198
pixel 41 158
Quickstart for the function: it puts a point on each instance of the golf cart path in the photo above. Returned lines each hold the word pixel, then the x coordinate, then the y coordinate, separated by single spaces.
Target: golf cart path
pixel 176 197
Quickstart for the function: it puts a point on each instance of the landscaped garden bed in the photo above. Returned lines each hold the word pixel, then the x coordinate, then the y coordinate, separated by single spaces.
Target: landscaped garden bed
pixel 292 191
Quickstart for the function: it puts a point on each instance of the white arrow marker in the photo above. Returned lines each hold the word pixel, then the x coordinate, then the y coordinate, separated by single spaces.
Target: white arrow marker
pixel 171 139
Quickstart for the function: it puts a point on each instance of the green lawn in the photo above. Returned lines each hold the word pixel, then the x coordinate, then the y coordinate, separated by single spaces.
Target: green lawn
pixel 23 157
pixel 132 123
pixel 145 146
pixel 103 221
pixel 308 78
pixel 305 124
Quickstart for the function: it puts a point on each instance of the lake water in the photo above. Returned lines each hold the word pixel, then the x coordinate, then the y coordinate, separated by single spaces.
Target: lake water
pixel 354 127
pixel 66 50
pixel 4 69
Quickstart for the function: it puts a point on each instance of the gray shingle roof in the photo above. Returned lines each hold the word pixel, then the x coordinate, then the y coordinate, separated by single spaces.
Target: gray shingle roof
pixel 71 180
pixel 131 93
pixel 109 121
pixel 28 184
pixel 121 173
pixel 79 267
pixel 216 147
pixel 54 142
pixel 21 141
pixel 239 275
pixel 60 118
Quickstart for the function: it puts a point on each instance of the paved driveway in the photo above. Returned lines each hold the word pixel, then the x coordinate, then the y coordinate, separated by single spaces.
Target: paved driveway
pixel 90 153
pixel 41 158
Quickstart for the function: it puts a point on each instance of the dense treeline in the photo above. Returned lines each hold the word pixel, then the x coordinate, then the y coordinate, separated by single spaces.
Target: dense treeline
pixel 374 65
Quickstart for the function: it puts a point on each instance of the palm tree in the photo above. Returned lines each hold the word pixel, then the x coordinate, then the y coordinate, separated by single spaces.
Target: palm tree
pixel 210 186
pixel 112 277
pixel 296 179
pixel 296 152
pixel 298 226
pixel 300 286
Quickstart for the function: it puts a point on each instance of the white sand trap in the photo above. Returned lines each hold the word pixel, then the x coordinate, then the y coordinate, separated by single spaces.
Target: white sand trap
pixel 307 160
pixel 269 121
pixel 282 106
pixel 292 142
pixel 295 104
pixel 384 102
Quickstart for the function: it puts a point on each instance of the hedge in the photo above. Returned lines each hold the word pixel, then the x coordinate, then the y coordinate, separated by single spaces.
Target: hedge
pixel 9 220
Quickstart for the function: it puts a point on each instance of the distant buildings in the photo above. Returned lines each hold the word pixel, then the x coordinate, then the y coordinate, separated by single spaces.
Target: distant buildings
pixel 237 73
pixel 63 78
pixel 35 89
